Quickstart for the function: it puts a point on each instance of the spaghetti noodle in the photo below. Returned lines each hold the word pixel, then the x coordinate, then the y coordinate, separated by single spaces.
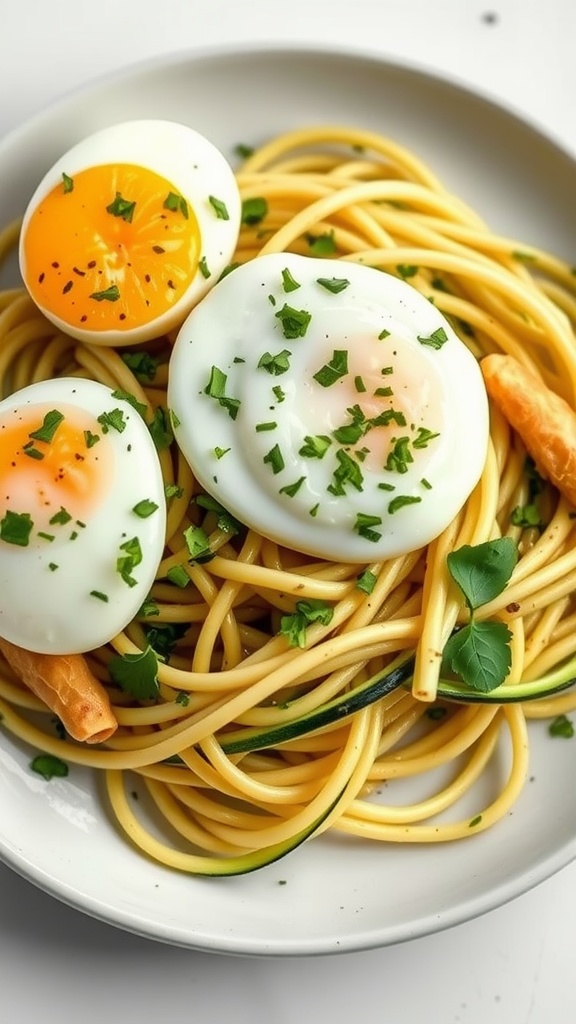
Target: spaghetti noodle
pixel 253 745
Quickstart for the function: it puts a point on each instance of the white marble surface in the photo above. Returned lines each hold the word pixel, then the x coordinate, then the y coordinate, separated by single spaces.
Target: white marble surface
pixel 514 965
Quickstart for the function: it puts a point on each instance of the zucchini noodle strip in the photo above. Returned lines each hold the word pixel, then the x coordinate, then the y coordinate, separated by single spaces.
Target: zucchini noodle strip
pixel 251 747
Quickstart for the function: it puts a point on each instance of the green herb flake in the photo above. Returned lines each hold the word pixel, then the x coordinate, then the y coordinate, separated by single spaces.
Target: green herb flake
pixel 176 204
pixel 127 396
pixel 127 562
pixel 328 374
pixel 148 608
pixel 315 446
pixel 383 335
pixel 204 269
pixel 333 284
pixel 49 767
pixel 15 528
pixel 160 429
pixel 347 472
pixel 216 388
pixel 67 183
pixel 145 508
pixel 173 491
pixel 32 453
pixel 400 501
pixel 61 517
pixel 99 595
pixel 142 364
pixel 219 208
pixel 561 726
pixel 136 674
pixel 243 151
pixel 112 420
pixel 423 438
pixel 435 340
pixel 90 438
pixel 275 365
pixel 294 321
pixel 364 526
pixel 475 821
pixel 53 566
pixel 253 211
pixel 278 393
pixel 46 536
pixel 221 452
pixel 111 294
pixel 182 698
pixel 269 425
pixel 292 489
pixel 50 424
pixel 289 284
pixel 359 385
pixel 322 245
pixel 198 544
pixel 123 208
pixel 526 516
pixel 400 457
pixel 295 626
pixel 366 581
pixel 225 521
pixel 274 459
pixel 314 510
pixel 178 576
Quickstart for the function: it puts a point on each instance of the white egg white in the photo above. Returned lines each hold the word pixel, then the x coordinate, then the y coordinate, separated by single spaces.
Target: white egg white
pixel 197 170
pixel 393 490
pixel 66 595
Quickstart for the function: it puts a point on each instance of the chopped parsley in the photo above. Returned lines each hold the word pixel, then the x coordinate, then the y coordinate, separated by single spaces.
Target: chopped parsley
pixel 366 581
pixel 67 183
pixel 328 374
pixel 123 208
pixel 294 321
pixel 434 340
pixel 333 284
pixel 176 204
pixel 49 767
pixel 400 501
pixel 145 508
pixel 253 211
pixel 112 420
pixel 289 284
pixel 275 365
pixel 177 574
pixel 143 365
pixel 15 528
pixel 219 208
pixel 315 446
pixel 127 562
pixel 111 294
pixel 291 489
pixel 216 388
pixel 294 627
pixel 198 544
pixel 364 526
pixel 274 459
pixel 322 245
pixel 50 424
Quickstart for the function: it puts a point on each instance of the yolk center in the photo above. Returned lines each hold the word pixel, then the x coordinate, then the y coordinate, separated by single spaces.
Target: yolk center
pixel 111 248
pixel 65 475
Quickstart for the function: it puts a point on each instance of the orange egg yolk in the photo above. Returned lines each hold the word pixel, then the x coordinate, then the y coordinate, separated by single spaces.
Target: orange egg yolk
pixel 56 466
pixel 112 248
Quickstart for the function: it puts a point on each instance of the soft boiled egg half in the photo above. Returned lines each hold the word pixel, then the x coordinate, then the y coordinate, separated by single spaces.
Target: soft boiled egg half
pixel 82 515
pixel 128 230
pixel 329 406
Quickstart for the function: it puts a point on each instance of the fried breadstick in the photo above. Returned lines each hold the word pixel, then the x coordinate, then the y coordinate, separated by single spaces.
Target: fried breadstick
pixel 66 685
pixel 544 421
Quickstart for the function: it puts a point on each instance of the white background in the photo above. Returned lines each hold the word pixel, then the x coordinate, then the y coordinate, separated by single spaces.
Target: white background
pixel 516 964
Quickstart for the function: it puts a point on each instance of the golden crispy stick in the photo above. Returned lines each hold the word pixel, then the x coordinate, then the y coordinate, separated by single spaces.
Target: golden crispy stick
pixel 544 421
pixel 66 685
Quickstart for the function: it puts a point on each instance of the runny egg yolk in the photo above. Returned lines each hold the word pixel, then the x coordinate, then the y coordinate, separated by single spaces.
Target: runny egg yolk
pixel 54 467
pixel 112 247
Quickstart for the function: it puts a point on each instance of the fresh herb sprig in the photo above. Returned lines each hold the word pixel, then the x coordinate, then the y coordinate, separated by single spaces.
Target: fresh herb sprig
pixel 479 653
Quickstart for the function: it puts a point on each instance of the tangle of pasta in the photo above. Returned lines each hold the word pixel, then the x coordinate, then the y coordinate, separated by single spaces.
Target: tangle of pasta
pixel 211 752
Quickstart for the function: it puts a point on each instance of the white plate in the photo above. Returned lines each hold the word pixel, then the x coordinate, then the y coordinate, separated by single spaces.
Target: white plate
pixel 333 894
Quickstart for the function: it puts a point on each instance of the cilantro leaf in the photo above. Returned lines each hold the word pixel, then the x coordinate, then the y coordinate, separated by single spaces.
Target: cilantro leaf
pixel 49 766
pixel 136 674
pixel 480 654
pixel 483 570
